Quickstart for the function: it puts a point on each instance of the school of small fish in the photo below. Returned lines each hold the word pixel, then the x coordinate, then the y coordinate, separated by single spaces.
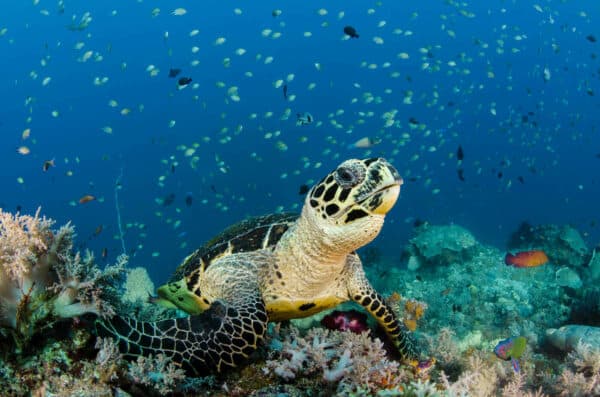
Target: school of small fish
pixel 420 94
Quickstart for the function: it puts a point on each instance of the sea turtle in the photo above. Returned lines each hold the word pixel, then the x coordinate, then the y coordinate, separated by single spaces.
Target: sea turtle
pixel 273 268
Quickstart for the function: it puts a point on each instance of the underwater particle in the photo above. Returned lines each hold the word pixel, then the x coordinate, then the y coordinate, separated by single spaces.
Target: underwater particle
pixel 179 12
pixel 26 133
pixel 20 180
pixel 174 72
pixel 86 199
pixel 304 119
pixel 351 32
pixel 237 11
pixel 220 40
pixel 47 165
pixel 24 150
pixel 183 82
pixel 591 38
pixel 531 258
pixel 276 13
pixel 107 129
pixel 378 40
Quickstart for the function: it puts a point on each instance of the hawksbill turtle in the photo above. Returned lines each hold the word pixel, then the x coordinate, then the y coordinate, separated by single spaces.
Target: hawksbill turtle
pixel 273 268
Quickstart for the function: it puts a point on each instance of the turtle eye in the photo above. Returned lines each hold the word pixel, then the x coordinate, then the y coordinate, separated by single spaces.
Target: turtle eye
pixel 347 177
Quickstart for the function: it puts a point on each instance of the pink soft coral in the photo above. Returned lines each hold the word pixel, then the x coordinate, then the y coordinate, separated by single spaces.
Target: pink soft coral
pixel 351 320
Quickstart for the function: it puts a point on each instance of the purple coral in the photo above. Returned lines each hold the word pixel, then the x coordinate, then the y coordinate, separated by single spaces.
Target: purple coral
pixel 350 320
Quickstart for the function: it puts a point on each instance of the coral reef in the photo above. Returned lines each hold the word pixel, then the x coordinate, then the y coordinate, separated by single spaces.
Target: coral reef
pixel 462 312
pixel 43 282
pixel 563 244
pixel 439 245
pixel 569 336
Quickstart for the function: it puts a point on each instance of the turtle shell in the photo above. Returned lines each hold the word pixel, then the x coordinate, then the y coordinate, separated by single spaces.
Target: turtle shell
pixel 248 235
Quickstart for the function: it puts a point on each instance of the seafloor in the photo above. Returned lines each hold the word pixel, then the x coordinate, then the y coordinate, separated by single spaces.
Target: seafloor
pixel 456 294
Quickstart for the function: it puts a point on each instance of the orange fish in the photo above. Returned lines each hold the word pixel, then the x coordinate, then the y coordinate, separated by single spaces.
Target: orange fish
pixel 526 258
pixel 86 199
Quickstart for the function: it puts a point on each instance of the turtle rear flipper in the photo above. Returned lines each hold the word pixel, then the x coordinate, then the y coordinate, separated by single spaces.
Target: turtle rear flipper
pixel 221 337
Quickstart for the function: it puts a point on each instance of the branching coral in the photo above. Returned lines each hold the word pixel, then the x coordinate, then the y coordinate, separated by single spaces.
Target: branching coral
pixel 351 360
pixel 157 372
pixel 42 281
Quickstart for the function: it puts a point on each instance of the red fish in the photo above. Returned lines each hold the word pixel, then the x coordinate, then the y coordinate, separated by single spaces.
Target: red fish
pixel 532 258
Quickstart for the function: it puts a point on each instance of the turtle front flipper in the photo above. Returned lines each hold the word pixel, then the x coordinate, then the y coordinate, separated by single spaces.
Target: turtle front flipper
pixel 361 291
pixel 220 337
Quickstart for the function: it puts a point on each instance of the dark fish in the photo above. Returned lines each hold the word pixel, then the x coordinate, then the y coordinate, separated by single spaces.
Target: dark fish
pixel 418 222
pixel 183 82
pixel 172 168
pixel 500 175
pixel 174 72
pixel 168 200
pixel 461 175
pixel 521 179
pixel 350 31
pixel 413 121
pixel 189 199
pixel 98 230
pixel 213 188
pixel 285 91
pixel 18 209
pixel 460 154
pixel 303 189
pixel 104 252
pixel 591 38
pixel 47 165
pixel 413 179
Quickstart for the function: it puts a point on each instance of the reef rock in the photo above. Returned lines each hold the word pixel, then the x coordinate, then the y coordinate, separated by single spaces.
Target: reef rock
pixel 563 244
pixel 566 277
pixel 567 337
pixel 440 245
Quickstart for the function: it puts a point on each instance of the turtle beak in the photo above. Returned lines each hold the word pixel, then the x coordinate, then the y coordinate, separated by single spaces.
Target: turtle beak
pixel 382 200
pixel 388 196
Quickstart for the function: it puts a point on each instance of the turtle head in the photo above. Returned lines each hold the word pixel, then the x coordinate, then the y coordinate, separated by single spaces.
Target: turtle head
pixel 350 203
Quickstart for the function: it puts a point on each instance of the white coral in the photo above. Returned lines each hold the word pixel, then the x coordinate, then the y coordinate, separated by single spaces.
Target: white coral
pixel 41 281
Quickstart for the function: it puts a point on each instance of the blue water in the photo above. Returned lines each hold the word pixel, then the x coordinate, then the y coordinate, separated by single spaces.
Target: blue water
pixel 555 151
